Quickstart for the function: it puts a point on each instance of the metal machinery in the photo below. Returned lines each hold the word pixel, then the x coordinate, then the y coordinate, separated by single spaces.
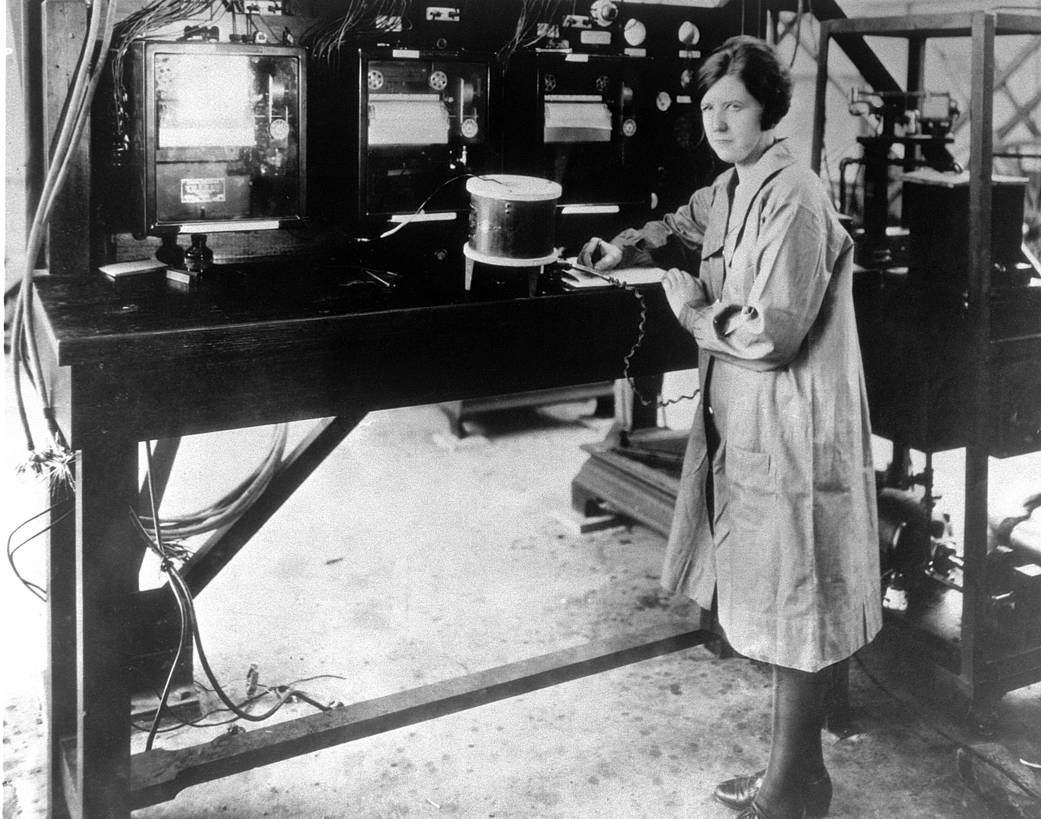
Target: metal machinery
pixel 951 337
pixel 187 155
pixel 594 96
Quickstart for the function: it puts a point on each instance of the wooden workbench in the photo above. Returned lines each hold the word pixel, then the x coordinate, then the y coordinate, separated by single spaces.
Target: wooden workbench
pixel 144 361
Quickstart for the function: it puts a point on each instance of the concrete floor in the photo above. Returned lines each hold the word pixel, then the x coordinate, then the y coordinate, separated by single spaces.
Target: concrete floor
pixel 410 557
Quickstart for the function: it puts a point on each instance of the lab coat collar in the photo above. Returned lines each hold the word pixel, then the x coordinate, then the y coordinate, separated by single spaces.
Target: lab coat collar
pixel 777 157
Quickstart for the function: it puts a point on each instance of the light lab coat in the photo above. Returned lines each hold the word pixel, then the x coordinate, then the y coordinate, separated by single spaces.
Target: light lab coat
pixel 792 554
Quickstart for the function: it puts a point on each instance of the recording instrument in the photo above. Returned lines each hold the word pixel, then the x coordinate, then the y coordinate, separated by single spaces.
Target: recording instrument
pixel 422 119
pixel 580 120
pixel 215 138
pixel 396 133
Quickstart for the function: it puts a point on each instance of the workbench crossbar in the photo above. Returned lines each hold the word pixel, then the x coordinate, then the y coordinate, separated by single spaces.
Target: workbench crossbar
pixel 158 775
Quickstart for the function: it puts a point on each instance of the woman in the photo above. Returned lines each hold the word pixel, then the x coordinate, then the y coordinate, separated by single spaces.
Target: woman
pixel 775 518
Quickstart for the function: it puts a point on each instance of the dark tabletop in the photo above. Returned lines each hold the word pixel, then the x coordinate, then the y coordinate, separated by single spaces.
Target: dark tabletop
pixel 261 344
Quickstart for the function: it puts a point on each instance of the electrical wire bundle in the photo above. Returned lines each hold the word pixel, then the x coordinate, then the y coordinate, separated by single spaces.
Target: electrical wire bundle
pixel 189 623
pixel 360 17
pixel 150 17
pixel 255 693
pixel 232 505
pixel 55 459
pixel 67 509
pixel 219 514
pixel 174 529
pixel 526 33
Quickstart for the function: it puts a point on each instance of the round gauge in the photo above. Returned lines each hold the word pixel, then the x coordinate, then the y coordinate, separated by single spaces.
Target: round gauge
pixel 375 80
pixel 469 128
pixel 663 101
pixel 635 32
pixel 603 12
pixel 628 127
pixel 279 129
pixel 686 78
pixel 688 33
pixel 438 80
pixel 603 84
pixel 549 83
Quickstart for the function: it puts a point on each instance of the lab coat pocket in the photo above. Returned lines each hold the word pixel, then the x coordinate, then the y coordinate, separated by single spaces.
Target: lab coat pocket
pixel 752 489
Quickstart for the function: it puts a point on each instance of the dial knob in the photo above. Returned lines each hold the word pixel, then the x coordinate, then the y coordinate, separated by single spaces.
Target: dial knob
pixel 635 32
pixel 688 33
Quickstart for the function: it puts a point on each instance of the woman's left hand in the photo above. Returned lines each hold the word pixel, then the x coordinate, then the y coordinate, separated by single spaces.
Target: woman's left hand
pixel 682 289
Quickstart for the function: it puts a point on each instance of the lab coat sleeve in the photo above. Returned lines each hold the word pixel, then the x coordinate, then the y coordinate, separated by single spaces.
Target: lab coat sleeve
pixel 685 225
pixel 791 277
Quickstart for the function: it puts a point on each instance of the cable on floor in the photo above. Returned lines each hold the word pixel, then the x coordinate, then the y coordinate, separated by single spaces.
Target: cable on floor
pixel 199 722
pixel 1008 774
pixel 185 604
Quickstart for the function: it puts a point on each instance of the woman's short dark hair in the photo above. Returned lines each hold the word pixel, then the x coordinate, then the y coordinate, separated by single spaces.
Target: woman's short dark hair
pixel 756 64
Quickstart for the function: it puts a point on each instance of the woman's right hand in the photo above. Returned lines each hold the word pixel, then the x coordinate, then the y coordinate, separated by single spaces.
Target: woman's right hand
pixel 599 255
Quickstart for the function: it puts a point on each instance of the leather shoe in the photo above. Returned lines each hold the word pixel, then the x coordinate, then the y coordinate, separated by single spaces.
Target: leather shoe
pixel 753 811
pixel 739 793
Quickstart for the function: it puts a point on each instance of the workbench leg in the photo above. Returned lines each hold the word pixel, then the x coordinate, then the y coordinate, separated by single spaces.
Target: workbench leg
pixel 107 559
pixel 60 674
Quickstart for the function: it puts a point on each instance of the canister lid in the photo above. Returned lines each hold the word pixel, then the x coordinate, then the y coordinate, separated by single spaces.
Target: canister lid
pixel 513 187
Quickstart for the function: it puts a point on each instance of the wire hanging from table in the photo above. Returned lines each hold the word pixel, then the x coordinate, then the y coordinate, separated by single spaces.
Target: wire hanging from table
pixel 233 504
pixel 641 331
pixel 55 460
pixel 38 590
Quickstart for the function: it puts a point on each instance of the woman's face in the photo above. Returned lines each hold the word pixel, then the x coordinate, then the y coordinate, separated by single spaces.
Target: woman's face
pixel 732 119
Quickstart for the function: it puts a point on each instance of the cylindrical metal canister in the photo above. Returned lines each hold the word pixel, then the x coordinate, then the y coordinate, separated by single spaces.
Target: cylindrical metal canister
pixel 512 220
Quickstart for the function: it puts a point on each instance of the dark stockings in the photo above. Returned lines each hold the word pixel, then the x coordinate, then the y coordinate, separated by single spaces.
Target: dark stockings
pixel 795 751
